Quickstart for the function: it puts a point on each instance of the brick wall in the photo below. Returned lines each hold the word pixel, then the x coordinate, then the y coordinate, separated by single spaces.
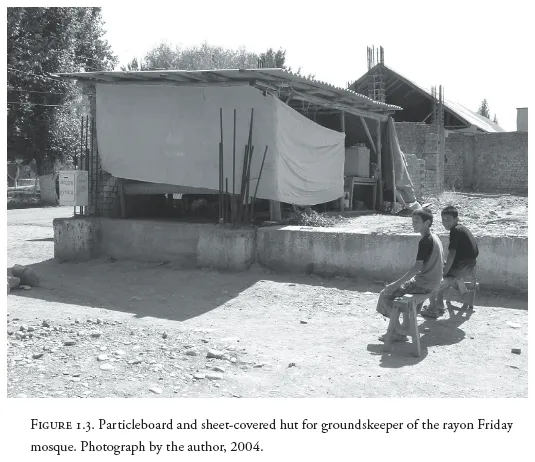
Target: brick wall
pixel 109 196
pixel 487 162
pixel 423 141
pixel 416 169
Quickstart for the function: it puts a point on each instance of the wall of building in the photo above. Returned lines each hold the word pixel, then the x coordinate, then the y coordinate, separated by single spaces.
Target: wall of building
pixel 47 186
pixel 487 162
pixel 522 119
pixel 423 141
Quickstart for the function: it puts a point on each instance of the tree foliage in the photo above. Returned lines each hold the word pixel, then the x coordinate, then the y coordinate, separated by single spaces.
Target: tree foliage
pixel 43 112
pixel 206 57
pixel 203 57
pixel 484 109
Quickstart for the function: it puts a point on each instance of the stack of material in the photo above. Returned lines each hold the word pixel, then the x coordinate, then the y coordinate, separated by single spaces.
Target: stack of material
pixel 23 277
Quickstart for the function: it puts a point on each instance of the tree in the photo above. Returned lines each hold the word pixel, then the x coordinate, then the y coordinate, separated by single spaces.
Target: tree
pixel 203 57
pixel 271 58
pixel 206 57
pixel 484 109
pixel 277 59
pixel 44 112
pixel 495 120
pixel 133 66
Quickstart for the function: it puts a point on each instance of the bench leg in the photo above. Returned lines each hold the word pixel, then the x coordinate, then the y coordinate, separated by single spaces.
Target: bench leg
pixel 415 331
pixel 394 320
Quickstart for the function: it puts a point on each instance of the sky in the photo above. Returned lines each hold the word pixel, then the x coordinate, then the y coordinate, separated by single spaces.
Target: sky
pixel 473 50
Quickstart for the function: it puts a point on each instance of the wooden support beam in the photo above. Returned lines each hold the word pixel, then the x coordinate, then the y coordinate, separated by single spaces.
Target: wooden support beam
pixel 339 106
pixel 427 116
pixel 394 189
pixel 370 139
pixel 183 83
pixel 343 130
pixel 394 83
pixel 274 210
pixel 406 95
pixel 380 169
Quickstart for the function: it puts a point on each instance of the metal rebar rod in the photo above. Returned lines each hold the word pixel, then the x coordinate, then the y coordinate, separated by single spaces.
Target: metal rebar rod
pixel 257 182
pixel 242 184
pixel 220 187
pixel 86 160
pixel 81 143
pixel 92 168
pixel 234 156
pixel 233 198
pixel 248 178
pixel 226 201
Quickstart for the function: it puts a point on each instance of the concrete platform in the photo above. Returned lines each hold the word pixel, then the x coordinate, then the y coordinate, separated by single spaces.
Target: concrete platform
pixel 502 264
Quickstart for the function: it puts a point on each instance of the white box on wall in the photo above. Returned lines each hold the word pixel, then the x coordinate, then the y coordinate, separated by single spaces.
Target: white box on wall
pixel 73 188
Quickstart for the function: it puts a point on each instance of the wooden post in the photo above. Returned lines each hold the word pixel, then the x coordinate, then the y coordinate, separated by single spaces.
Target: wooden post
pixel 391 145
pixel 274 210
pixel 343 130
pixel 380 168
pixel 93 168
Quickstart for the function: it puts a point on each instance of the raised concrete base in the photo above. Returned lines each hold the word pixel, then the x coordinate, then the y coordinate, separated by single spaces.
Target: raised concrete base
pixel 75 239
pixel 502 263
pixel 151 240
pixel 226 248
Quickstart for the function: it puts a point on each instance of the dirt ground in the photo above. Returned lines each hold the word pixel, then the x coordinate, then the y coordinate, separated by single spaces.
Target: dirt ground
pixel 153 326
pixel 491 215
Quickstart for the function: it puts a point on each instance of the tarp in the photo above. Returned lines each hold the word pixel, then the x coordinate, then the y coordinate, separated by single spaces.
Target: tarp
pixel 404 185
pixel 171 135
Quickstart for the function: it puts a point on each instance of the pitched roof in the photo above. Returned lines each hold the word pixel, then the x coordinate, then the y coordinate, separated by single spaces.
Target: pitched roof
pixel 464 114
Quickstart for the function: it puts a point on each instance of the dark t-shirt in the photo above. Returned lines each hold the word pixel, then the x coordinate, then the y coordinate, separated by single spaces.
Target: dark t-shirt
pixel 463 242
pixel 425 247
pixel 431 254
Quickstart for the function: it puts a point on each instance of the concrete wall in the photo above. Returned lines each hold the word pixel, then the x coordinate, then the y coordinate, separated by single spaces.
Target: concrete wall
pixel 226 248
pixel 75 239
pixel 503 262
pixel 487 162
pixel 47 186
pixel 150 240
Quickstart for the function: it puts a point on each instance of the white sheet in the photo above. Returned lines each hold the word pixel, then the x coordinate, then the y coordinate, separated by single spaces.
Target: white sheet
pixel 171 134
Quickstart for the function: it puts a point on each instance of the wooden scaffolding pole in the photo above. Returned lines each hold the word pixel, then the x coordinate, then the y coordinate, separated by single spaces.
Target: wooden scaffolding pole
pixel 380 169
pixel 343 130
pixel 394 190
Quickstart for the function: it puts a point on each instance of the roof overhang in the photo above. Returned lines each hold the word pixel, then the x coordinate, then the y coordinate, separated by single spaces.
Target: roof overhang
pixel 292 88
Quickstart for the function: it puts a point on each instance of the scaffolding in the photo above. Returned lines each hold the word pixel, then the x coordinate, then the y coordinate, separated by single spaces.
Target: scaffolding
pixel 376 80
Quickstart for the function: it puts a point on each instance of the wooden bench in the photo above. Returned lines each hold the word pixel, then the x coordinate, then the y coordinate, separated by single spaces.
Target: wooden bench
pixel 406 304
pixel 468 299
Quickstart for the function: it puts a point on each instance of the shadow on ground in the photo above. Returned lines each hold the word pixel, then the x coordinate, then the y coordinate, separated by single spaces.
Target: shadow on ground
pixel 436 332
pixel 160 290
pixel 169 291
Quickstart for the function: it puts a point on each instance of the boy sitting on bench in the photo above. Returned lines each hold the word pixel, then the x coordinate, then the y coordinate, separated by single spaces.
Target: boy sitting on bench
pixel 461 261
pixel 423 278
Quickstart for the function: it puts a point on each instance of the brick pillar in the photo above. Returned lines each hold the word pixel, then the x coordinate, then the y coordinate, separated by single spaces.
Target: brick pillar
pixel 109 196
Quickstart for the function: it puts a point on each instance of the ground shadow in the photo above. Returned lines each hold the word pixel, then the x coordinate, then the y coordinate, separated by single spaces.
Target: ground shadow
pixel 436 332
pixel 45 239
pixel 163 290
pixel 168 290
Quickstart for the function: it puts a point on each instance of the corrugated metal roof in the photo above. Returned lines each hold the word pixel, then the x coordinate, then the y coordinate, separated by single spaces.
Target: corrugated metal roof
pixel 276 79
pixel 470 117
